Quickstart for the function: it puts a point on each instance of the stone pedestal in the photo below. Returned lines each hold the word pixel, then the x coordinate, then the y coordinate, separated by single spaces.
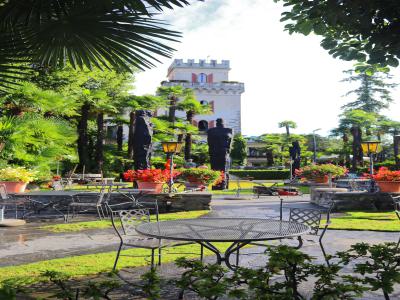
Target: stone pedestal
pixel 323 195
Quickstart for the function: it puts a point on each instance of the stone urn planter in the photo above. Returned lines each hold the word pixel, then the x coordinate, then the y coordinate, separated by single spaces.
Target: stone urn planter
pixel 14 186
pixel 194 185
pixel 322 179
pixel 156 186
pixel 389 186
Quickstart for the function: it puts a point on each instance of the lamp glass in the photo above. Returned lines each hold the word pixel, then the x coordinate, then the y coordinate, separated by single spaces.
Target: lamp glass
pixel 171 147
pixel 370 147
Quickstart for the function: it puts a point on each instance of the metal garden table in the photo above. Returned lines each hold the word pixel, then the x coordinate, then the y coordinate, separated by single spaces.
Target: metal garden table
pixel 237 231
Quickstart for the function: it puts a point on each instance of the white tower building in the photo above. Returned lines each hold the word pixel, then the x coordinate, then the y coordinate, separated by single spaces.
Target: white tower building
pixel 210 82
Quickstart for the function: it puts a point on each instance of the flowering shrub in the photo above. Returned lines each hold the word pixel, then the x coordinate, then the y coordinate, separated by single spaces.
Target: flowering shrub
pixel 56 177
pixel 384 174
pixel 149 175
pixel 19 174
pixel 315 171
pixel 205 176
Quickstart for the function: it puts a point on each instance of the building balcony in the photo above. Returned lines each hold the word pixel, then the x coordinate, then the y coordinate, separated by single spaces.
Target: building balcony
pixel 225 86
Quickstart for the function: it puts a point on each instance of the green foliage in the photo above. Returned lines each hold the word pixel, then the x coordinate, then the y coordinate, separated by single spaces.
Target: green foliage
pixel 373 93
pixel 203 279
pixel 379 265
pixel 351 30
pixel 203 175
pixel 239 150
pixel 151 284
pixel 90 34
pixel 17 174
pixel 262 174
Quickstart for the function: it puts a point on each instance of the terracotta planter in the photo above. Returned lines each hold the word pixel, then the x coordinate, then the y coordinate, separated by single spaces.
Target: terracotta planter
pixel 157 187
pixel 324 179
pixel 14 186
pixel 389 186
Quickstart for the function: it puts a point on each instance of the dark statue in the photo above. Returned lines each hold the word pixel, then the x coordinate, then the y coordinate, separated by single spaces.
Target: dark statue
pixel 295 156
pixel 142 139
pixel 219 141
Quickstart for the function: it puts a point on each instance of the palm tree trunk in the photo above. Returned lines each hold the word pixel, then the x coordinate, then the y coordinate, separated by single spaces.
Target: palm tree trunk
pixel 287 130
pixel 120 137
pixel 356 147
pixel 188 139
pixel 100 142
pixel 396 144
pixel 83 136
pixel 130 134
pixel 172 109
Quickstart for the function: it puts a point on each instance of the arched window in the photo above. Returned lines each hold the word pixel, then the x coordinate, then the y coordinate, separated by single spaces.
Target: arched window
pixel 204 102
pixel 203 125
pixel 202 78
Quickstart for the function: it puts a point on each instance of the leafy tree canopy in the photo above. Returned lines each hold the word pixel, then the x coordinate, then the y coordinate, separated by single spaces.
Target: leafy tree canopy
pixel 366 31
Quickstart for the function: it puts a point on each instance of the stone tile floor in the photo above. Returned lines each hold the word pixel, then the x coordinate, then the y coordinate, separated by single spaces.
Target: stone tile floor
pixel 26 244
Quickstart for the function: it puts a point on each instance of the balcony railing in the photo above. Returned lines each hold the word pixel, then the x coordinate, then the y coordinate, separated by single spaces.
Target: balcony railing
pixel 239 86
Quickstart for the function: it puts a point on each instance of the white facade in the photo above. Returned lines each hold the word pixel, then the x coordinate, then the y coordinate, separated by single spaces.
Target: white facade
pixel 210 82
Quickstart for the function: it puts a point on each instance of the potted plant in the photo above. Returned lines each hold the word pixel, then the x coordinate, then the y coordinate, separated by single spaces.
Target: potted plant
pixel 16 178
pixel 321 173
pixel 387 180
pixel 149 178
pixel 199 177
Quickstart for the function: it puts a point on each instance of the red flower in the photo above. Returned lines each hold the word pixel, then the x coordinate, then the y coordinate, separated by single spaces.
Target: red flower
pixel 149 175
pixel 384 174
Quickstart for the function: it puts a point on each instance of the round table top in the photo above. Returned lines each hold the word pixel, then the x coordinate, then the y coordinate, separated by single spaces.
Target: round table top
pixel 222 229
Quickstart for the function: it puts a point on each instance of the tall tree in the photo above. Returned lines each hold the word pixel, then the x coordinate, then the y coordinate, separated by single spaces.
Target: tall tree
pixel 393 128
pixel 355 121
pixel 287 125
pixel 192 107
pixel 173 94
pixel 239 150
pixel 372 94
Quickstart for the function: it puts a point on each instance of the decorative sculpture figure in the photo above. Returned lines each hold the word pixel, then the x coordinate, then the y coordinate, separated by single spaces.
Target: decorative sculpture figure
pixel 295 156
pixel 142 138
pixel 219 141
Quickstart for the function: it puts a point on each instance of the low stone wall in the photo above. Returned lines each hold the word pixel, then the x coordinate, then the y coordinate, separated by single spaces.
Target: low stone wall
pixel 363 201
pixel 178 202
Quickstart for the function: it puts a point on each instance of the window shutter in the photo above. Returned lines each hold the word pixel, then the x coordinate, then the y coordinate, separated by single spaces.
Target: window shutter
pixel 210 78
pixel 194 77
pixel 212 106
pixel 211 124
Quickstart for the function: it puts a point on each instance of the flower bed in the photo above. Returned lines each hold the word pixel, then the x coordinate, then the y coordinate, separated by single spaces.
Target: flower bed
pixel 317 172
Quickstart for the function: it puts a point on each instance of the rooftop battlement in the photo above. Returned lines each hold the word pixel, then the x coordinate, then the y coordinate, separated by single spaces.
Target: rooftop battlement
pixel 201 63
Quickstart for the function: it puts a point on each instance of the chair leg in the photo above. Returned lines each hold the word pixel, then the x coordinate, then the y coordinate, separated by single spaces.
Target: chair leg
pixel 237 258
pixel 152 258
pixel 201 253
pixel 118 253
pixel 324 253
pixel 98 213
pixel 159 256
pixel 300 242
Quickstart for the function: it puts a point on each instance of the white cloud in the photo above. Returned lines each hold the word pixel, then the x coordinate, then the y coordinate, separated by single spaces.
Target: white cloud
pixel 287 77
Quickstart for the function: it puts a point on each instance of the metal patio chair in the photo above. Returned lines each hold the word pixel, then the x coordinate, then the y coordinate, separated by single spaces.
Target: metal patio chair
pixel 7 200
pixel 124 222
pixel 311 216
pixel 86 201
pixel 396 204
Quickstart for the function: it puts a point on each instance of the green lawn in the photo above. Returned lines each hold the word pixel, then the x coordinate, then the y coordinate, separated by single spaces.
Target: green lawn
pixel 79 226
pixel 85 265
pixel 378 221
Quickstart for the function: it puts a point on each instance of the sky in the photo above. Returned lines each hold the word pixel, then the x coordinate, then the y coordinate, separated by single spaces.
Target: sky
pixel 287 77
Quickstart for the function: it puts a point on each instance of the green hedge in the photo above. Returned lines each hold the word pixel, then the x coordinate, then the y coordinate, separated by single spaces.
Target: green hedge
pixel 262 174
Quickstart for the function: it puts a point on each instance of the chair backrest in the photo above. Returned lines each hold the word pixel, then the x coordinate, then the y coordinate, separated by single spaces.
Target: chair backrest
pixel 3 192
pixel 308 216
pixel 396 204
pixel 128 219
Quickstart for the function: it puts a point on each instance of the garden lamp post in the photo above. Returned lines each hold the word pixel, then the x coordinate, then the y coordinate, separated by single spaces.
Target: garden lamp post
pixel 315 145
pixel 370 148
pixel 171 148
